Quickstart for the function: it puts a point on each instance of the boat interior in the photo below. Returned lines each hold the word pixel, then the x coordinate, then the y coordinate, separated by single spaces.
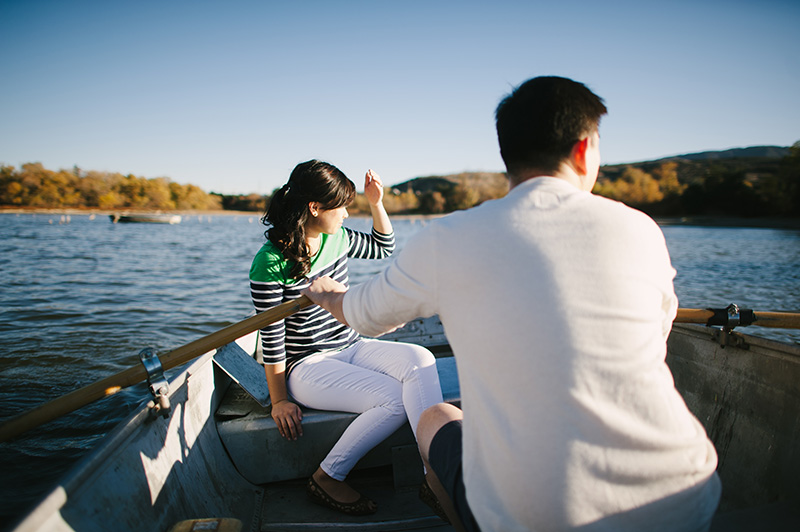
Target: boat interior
pixel 217 456
pixel 391 473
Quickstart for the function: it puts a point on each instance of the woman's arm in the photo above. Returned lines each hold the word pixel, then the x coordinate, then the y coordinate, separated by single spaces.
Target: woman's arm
pixel 373 191
pixel 287 415
pixel 379 243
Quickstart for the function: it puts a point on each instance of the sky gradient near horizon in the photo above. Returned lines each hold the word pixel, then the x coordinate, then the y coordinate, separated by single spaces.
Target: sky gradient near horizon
pixel 229 96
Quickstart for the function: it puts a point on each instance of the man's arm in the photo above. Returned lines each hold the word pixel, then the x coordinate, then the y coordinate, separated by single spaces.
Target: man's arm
pixel 328 294
pixel 403 291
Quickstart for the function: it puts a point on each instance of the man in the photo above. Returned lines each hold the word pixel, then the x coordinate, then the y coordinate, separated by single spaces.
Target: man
pixel 557 304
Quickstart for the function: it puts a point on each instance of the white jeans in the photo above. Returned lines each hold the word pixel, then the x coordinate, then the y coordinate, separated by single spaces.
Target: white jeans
pixel 386 382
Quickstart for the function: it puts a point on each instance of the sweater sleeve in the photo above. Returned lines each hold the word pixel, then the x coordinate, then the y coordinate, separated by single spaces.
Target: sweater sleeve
pixel 266 295
pixel 405 290
pixel 369 246
pixel 669 304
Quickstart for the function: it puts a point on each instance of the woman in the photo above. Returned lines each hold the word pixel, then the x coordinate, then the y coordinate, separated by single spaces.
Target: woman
pixel 313 360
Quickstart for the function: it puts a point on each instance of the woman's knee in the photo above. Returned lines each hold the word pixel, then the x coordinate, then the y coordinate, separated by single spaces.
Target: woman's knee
pixel 419 357
pixel 410 360
pixel 414 355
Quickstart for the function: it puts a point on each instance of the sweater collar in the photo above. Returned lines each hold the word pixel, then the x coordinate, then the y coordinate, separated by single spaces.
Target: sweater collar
pixel 546 184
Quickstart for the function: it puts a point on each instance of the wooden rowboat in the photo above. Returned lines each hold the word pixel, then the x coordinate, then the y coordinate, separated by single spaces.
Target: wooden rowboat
pixel 215 461
pixel 171 219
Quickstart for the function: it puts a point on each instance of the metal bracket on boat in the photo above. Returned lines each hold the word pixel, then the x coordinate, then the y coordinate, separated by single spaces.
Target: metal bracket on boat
pixel 155 379
pixel 726 337
pixel 731 316
pixel 728 318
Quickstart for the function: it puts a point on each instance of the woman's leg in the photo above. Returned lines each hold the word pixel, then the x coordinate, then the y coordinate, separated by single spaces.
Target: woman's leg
pixel 387 382
pixel 326 383
pixel 412 365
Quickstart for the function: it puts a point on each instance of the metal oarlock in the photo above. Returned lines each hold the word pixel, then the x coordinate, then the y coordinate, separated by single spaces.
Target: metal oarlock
pixel 729 318
pixel 159 387
pixel 734 316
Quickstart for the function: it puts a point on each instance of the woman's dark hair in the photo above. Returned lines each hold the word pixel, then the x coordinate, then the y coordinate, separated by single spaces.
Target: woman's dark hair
pixel 542 119
pixel 288 212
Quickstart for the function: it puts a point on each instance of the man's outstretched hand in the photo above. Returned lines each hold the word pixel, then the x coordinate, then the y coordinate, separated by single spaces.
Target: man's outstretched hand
pixel 328 294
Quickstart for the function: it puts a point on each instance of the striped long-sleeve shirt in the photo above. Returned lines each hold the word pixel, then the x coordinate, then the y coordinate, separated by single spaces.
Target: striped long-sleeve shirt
pixel 312 329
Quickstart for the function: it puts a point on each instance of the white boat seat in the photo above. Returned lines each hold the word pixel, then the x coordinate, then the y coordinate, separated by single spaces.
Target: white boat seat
pixel 262 455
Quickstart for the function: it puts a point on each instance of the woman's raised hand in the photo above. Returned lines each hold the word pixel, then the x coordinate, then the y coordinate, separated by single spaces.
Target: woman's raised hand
pixel 373 188
pixel 373 191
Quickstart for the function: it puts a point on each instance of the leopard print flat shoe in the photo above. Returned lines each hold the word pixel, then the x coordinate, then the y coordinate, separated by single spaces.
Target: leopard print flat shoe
pixel 363 506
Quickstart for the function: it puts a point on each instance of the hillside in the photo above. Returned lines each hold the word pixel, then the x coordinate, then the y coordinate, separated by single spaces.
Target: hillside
pixel 766 152
pixel 756 162
pixel 487 184
pixel 751 181
pixel 754 158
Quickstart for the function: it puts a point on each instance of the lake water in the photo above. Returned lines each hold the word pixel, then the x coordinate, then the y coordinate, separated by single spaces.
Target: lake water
pixel 80 299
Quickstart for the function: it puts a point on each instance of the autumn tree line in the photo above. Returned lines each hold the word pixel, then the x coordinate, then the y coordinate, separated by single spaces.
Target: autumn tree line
pixel 32 185
pixel 754 182
pixel 736 186
pixel 759 183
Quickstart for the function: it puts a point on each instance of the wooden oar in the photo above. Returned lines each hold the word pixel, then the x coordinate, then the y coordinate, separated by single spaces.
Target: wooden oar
pixel 111 385
pixel 779 320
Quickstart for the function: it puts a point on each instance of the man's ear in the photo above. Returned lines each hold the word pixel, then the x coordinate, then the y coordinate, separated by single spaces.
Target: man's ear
pixel 578 156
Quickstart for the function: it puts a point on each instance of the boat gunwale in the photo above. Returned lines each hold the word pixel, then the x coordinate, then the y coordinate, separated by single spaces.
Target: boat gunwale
pixel 72 482
pixel 767 346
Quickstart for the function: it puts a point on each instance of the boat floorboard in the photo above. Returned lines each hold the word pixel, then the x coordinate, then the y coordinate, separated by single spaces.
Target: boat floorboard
pixel 286 508
pixel 783 516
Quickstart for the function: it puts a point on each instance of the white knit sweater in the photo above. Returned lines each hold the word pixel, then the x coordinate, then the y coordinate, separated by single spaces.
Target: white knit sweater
pixel 557 304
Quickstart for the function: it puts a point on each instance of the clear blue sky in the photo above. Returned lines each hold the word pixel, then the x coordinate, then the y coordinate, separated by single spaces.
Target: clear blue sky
pixel 230 95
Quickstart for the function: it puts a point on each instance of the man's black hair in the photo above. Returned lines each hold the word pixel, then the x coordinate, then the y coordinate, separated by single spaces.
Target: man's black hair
pixel 542 119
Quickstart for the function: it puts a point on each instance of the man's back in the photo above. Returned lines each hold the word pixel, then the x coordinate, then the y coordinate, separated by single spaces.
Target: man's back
pixel 557 304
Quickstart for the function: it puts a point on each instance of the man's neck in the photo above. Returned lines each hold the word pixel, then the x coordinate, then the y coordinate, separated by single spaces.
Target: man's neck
pixel 565 172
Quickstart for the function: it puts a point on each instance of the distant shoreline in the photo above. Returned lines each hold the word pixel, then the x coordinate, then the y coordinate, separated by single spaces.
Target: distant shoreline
pixel 74 211
pixel 729 221
pixel 700 221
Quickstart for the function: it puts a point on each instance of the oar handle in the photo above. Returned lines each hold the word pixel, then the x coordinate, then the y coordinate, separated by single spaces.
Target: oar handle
pixel 778 320
pixel 110 385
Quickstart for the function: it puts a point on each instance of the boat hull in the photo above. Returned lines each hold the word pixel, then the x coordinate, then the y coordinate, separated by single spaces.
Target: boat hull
pixel 748 399
pixel 171 219
pixel 151 473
